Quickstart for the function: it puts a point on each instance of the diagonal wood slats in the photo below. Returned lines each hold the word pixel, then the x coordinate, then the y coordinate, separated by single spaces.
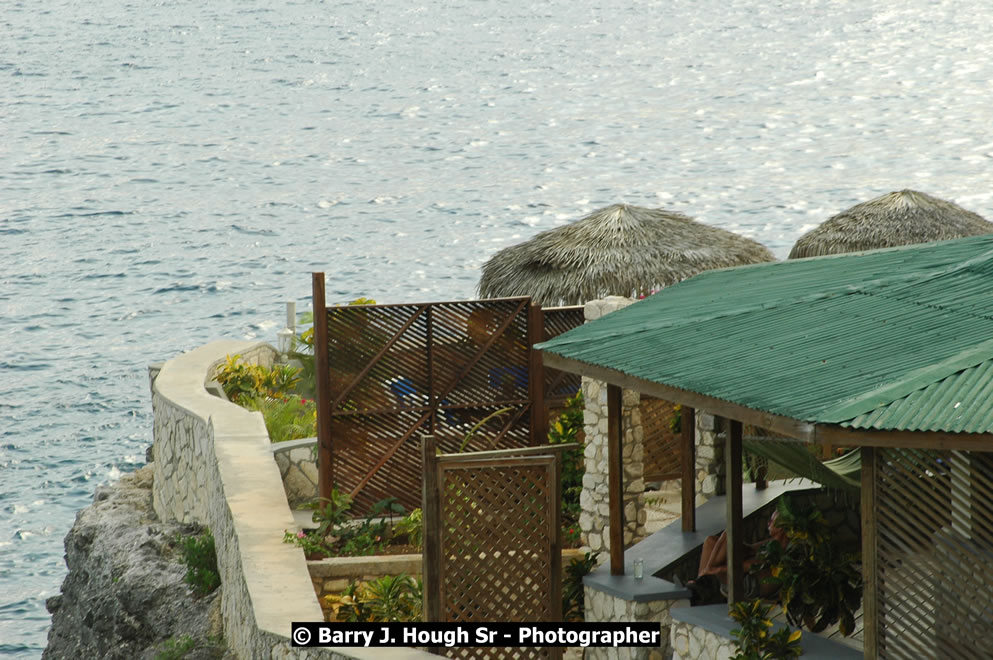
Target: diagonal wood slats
pixel 663 453
pixel 449 369
pixel 935 545
pixel 560 385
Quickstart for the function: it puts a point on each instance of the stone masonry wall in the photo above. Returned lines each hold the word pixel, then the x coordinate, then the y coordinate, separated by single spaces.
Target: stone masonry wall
pixel 297 463
pixel 691 642
pixel 602 607
pixel 214 466
pixel 709 457
pixel 594 521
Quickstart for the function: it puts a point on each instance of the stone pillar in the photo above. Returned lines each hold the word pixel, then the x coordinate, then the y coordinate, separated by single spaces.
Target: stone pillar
pixel 594 520
pixel 709 457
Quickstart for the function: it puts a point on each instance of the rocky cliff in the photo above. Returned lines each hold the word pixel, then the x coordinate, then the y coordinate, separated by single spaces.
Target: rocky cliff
pixel 125 594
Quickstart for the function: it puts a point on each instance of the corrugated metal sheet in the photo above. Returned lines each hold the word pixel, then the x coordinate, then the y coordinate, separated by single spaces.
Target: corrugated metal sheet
pixel 858 339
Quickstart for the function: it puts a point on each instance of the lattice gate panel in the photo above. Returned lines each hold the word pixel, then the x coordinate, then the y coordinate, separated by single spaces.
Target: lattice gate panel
pixel 499 528
pixel 663 455
pixel 934 544
pixel 399 371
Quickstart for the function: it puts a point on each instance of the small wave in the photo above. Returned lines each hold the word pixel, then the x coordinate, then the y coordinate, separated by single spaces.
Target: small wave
pixel 253 232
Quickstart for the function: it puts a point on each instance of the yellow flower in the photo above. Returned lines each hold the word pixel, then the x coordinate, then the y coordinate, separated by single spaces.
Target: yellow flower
pixel 776 571
pixel 795 637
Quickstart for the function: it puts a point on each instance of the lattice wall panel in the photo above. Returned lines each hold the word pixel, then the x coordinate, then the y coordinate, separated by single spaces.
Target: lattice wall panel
pixel 935 554
pixel 663 456
pixel 497 526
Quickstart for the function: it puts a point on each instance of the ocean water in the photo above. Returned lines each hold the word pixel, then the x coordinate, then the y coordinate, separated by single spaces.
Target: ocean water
pixel 171 173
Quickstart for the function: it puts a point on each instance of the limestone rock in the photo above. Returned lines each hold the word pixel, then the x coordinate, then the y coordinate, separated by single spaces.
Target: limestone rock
pixel 125 594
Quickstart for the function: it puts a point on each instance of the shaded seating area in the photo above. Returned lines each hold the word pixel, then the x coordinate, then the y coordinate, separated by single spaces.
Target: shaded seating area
pixel 887 351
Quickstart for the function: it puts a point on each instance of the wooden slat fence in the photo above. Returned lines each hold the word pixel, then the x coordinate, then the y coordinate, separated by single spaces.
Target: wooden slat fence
pixel 492 547
pixel 931 525
pixel 449 369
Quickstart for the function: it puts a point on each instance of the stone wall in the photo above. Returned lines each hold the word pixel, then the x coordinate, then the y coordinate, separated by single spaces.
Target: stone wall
pixel 297 463
pixel 709 457
pixel 602 606
pixel 690 642
pixel 213 465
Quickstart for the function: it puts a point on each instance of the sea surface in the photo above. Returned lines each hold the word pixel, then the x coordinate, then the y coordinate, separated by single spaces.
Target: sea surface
pixel 172 172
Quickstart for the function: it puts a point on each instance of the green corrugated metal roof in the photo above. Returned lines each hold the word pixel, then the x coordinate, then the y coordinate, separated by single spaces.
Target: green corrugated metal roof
pixel 896 339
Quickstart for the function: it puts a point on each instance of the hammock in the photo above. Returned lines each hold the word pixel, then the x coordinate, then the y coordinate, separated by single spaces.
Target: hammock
pixel 841 473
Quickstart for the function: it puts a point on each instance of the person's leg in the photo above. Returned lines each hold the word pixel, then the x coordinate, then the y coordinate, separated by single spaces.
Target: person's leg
pixel 717 559
pixel 706 553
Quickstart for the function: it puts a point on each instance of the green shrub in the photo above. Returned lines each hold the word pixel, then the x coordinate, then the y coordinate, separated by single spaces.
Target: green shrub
pixel 200 558
pixel 412 526
pixel 175 649
pixel 289 418
pixel 819 584
pixel 573 607
pixel 565 430
pixel 389 598
pixel 753 640
pixel 251 381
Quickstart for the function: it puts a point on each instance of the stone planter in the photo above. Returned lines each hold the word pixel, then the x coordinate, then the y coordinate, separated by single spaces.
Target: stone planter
pixel 332 576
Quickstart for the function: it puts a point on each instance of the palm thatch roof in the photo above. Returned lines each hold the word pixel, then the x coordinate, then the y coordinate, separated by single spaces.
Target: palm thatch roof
pixel 618 250
pixel 897 218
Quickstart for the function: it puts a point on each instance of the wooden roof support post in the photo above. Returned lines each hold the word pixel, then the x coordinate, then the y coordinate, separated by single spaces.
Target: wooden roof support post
pixel 322 374
pixel 870 593
pixel 687 422
pixel 735 545
pixel 615 481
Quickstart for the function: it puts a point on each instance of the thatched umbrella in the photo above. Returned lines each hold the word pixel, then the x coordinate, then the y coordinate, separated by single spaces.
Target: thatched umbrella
pixel 898 218
pixel 619 250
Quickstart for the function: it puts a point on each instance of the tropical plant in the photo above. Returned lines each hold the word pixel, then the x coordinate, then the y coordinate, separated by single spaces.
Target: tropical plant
pixel 200 557
pixel 818 583
pixel 241 380
pixel 338 535
pixel 411 526
pixel 389 598
pixel 566 430
pixel 573 607
pixel 752 638
pixel 289 418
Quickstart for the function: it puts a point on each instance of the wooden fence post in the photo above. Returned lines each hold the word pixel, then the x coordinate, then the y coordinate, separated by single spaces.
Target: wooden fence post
pixel 431 512
pixel 536 377
pixel 322 374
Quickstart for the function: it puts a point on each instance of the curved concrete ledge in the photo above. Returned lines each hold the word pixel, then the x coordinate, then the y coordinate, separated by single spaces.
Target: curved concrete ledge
pixel 213 465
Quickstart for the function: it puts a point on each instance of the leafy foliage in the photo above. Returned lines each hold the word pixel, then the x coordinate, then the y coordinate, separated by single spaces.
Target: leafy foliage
pixel 819 585
pixel 389 598
pixel 411 526
pixel 251 381
pixel 753 640
pixel 288 418
pixel 337 535
pixel 565 430
pixel 200 558
pixel 175 649
pixel 573 607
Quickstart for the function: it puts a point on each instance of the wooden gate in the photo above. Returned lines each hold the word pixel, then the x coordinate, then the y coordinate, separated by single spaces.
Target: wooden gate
pixel 931 530
pixel 492 547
